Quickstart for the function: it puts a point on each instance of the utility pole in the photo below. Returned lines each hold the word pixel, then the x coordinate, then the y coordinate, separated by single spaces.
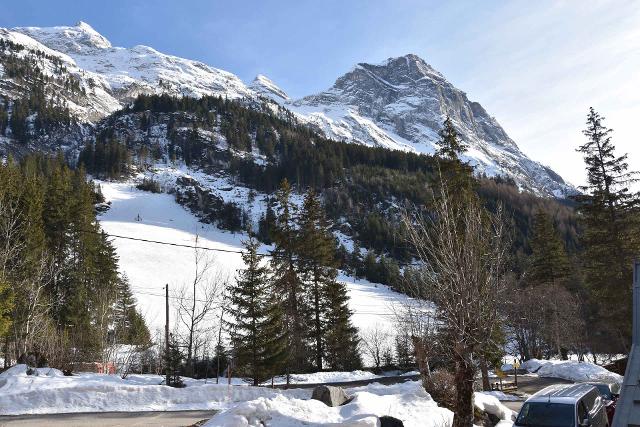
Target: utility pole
pixel 166 333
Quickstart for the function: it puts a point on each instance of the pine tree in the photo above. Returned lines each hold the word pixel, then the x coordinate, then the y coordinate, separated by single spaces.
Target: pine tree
pixel 173 363
pixel 404 350
pixel 449 147
pixel 608 212
pixel 129 325
pixel 317 252
pixel 6 306
pixel 356 260
pixel 255 329
pixel 286 282
pixel 549 261
pixel 267 223
pixel 330 316
pixel 457 175
pixel 342 339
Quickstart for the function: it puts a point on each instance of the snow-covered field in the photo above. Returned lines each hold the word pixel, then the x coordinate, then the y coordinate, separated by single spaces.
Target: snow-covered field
pixel 150 266
pixel 571 370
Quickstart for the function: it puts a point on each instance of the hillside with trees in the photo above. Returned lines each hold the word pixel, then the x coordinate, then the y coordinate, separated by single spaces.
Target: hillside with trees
pixel 63 298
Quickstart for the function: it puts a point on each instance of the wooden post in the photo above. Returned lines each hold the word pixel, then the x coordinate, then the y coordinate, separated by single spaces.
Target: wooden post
pixel 166 333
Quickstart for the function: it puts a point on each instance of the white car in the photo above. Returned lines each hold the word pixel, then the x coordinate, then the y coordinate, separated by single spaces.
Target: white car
pixel 570 405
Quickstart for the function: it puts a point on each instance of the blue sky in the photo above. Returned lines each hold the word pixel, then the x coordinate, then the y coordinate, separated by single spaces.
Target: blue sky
pixel 536 66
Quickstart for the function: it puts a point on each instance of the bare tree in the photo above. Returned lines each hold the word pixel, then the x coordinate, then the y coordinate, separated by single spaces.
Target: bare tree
pixel 197 303
pixel 11 245
pixel 462 251
pixel 108 335
pixel 543 320
pixel 375 342
pixel 31 311
pixel 561 320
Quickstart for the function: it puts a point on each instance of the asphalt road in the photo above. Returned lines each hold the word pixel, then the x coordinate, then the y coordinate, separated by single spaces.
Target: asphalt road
pixel 109 419
pixel 526 384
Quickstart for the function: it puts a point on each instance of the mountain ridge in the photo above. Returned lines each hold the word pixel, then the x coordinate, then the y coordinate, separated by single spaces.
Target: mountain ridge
pixel 399 103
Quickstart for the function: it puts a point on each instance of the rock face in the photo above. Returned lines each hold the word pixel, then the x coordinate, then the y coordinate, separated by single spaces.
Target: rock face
pixel 329 395
pixel 401 104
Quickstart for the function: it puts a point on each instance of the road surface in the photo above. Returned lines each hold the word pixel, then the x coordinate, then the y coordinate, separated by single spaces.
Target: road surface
pixel 528 385
pixel 109 419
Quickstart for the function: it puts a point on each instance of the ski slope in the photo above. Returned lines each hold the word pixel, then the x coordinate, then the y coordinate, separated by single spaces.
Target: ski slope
pixel 149 266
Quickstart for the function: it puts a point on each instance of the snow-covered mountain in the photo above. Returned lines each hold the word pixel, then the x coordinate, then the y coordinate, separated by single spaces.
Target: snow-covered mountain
pixel 114 76
pixel 402 103
pixel 399 104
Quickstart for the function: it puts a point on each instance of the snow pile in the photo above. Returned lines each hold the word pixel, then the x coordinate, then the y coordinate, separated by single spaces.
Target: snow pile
pixel 532 365
pixel 407 402
pixel 506 367
pixel 48 391
pixel 491 405
pixel 571 370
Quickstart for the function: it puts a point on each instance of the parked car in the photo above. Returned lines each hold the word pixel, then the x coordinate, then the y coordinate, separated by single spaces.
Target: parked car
pixel 610 393
pixel 570 405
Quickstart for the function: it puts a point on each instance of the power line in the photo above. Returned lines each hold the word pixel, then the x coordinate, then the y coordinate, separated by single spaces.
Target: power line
pixel 158 242
pixel 173 297
pixel 235 251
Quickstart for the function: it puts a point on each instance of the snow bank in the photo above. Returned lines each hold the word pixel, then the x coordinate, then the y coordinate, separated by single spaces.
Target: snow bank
pixel 571 370
pixel 51 392
pixel 532 365
pixel 491 405
pixel 407 401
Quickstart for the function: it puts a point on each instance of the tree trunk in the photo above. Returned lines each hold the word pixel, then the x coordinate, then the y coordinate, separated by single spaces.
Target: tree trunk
pixel 422 361
pixel 486 386
pixel 464 377
pixel 318 324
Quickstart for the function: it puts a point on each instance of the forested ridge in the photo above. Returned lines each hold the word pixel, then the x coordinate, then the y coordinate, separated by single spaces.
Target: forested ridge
pixel 39 110
pixel 363 188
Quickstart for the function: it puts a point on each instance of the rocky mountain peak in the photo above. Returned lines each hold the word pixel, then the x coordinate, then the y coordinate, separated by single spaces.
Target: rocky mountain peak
pixel 409 68
pixel 402 102
pixel 264 86
pixel 81 38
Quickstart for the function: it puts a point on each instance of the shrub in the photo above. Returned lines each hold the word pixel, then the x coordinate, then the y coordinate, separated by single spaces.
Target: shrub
pixel 149 185
pixel 441 386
